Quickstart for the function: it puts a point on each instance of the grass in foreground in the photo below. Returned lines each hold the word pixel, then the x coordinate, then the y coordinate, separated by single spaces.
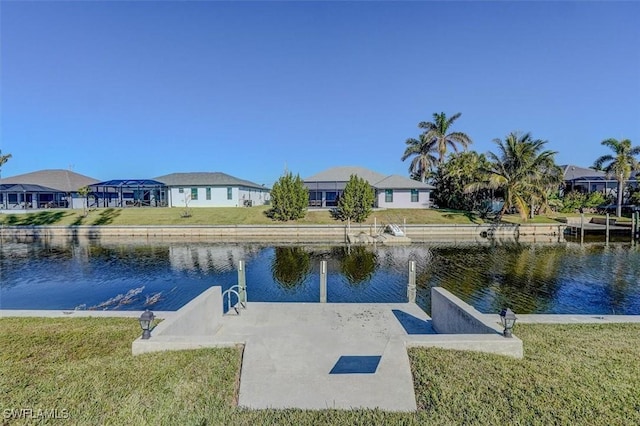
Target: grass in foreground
pixel 575 374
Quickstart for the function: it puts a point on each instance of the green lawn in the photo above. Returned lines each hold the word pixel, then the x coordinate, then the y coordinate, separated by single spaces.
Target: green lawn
pixel 241 216
pixel 223 216
pixel 571 374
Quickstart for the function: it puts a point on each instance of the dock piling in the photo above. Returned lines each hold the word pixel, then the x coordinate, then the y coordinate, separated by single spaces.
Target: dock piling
pixel 323 281
pixel 411 287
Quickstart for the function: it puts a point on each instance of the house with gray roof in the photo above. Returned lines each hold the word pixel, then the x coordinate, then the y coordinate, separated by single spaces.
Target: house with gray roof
pixel 212 189
pixel 391 191
pixel 587 180
pixel 44 188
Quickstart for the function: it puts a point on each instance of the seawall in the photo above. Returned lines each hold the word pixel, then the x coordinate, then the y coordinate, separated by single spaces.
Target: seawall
pixel 291 233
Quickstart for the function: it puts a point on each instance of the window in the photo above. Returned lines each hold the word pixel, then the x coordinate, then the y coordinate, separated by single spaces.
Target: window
pixel 208 193
pixel 414 195
pixel 388 195
pixel 229 193
pixel 194 193
pixel 315 198
pixel 181 190
pixel 331 198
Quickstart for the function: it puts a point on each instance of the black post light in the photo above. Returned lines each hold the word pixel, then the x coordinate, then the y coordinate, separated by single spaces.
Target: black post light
pixel 146 319
pixel 508 320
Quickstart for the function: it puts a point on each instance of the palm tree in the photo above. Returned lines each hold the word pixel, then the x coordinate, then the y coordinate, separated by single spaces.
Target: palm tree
pixel 3 159
pixel 424 159
pixel 619 165
pixel 437 132
pixel 522 172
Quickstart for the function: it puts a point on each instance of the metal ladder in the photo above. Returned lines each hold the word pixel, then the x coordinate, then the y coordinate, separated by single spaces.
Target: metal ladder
pixel 241 295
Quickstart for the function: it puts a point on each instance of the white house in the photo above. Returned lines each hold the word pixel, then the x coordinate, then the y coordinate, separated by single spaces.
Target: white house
pixel 391 191
pixel 212 189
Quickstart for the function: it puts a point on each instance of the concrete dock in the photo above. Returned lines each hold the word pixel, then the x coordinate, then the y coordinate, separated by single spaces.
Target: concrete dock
pixel 293 355
pixel 328 355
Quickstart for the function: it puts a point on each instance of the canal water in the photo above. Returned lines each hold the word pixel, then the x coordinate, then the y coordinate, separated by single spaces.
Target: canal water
pixel 565 277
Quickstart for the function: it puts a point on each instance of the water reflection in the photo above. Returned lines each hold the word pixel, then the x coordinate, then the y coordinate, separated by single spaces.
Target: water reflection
pixel 123 274
pixel 199 258
pixel 291 266
pixel 357 263
pixel 523 277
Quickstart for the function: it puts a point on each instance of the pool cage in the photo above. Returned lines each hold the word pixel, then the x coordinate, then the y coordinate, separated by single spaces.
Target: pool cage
pixel 17 196
pixel 128 193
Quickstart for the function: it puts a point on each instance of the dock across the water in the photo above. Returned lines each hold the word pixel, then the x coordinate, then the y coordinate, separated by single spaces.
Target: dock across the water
pixel 599 226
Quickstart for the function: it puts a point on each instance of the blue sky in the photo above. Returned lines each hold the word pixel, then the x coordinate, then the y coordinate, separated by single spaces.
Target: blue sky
pixel 141 89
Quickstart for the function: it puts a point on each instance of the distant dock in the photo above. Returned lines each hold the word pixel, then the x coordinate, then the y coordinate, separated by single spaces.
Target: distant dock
pixel 587 226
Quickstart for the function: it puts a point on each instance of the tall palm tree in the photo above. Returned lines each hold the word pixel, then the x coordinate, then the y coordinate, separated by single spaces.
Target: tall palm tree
pixel 3 159
pixel 437 132
pixel 619 165
pixel 522 171
pixel 424 160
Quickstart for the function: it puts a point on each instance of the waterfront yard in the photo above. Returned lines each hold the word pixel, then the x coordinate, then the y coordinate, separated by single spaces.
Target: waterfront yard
pixel 83 369
pixel 236 216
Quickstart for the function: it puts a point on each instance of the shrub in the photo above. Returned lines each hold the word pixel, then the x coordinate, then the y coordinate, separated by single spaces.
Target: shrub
pixel 595 199
pixel 356 202
pixel 572 201
pixel 289 198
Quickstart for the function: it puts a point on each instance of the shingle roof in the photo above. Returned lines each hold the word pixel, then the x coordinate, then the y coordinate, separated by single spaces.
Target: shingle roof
pixel 401 182
pixel 377 180
pixel 206 178
pixel 572 172
pixel 60 180
pixel 343 174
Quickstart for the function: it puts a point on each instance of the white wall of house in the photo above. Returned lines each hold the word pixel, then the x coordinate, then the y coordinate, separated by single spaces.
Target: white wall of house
pixel 77 202
pixel 258 197
pixel 402 199
pixel 220 196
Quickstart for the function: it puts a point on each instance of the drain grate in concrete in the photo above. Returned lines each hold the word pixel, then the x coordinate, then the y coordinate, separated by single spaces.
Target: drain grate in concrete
pixel 356 364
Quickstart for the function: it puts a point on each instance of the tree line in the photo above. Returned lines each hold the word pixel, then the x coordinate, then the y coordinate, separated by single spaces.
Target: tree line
pixel 522 172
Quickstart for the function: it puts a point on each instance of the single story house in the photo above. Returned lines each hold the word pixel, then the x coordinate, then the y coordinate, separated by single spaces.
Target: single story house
pixel 391 191
pixel 42 189
pixel 587 180
pixel 212 189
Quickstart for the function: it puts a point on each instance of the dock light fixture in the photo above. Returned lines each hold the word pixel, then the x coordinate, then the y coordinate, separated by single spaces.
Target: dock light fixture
pixel 508 320
pixel 146 319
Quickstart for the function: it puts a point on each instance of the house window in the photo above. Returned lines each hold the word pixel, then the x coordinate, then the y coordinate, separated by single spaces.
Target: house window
pixel 194 193
pixel 208 193
pixel 181 190
pixel 331 198
pixel 388 195
pixel 414 195
pixel 229 193
pixel 315 198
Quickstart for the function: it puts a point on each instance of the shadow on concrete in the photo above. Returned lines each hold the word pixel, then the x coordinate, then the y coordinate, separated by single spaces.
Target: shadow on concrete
pixel 411 324
pixel 358 364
